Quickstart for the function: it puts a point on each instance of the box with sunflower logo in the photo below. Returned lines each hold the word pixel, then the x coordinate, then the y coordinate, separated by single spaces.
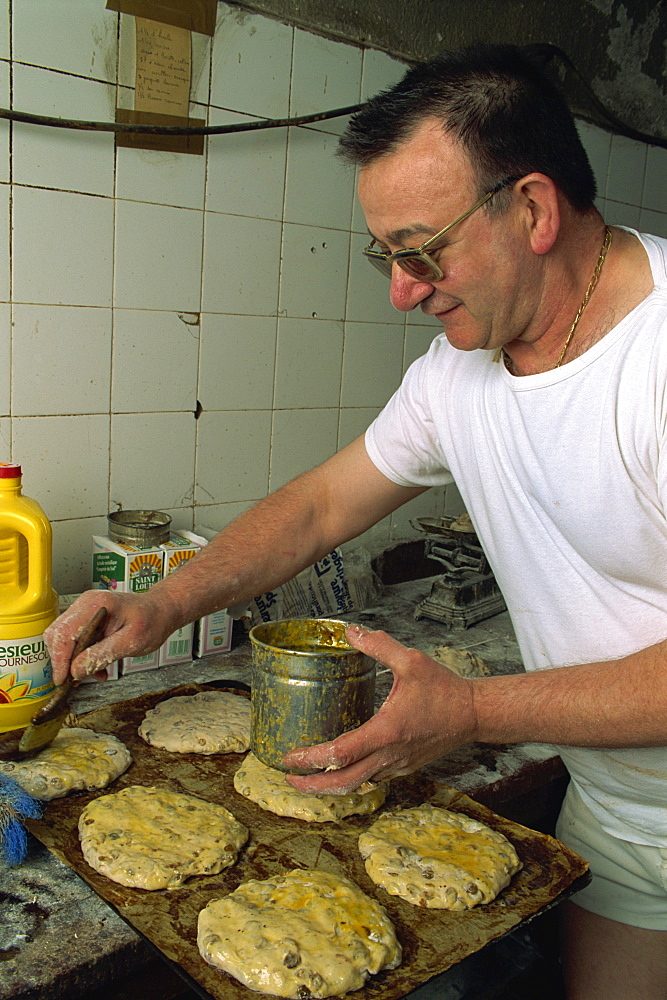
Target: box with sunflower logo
pixel 128 568
pixel 178 647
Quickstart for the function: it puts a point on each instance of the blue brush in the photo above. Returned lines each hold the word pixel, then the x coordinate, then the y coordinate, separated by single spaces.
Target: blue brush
pixel 15 806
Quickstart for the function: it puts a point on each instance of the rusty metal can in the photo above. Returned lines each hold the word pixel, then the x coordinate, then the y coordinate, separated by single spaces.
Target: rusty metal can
pixel 308 686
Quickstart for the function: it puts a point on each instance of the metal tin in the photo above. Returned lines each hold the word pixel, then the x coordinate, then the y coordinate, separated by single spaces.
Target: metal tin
pixel 308 686
pixel 144 528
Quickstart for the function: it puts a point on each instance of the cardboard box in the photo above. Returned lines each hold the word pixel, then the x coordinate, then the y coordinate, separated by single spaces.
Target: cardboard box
pixel 178 647
pixel 113 670
pixel 131 569
pixel 212 633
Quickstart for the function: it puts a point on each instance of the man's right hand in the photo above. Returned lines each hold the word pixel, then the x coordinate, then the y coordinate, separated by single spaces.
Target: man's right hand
pixel 136 624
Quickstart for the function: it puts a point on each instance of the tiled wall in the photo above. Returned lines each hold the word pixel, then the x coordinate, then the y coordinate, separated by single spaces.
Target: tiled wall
pixel 135 283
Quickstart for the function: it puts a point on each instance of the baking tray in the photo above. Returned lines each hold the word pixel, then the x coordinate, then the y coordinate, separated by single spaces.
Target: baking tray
pixel 432 940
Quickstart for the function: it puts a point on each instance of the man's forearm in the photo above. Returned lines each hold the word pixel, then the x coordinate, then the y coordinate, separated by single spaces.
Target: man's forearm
pixel 620 703
pixel 281 535
pixel 258 551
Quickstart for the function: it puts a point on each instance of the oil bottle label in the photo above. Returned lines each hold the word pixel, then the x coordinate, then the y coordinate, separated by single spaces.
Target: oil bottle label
pixel 25 670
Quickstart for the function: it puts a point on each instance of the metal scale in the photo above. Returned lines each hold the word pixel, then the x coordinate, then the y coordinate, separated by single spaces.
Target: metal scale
pixel 467 591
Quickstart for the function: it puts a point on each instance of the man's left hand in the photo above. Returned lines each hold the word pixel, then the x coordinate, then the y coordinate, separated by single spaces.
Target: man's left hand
pixel 428 712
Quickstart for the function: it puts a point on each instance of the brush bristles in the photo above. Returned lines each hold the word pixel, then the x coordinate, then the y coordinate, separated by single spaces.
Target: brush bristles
pixel 15 806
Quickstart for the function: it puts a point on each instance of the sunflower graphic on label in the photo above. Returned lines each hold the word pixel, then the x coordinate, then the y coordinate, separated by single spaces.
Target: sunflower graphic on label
pixel 144 571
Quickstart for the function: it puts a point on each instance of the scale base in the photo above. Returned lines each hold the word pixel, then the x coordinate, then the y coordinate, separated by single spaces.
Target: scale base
pixel 461 606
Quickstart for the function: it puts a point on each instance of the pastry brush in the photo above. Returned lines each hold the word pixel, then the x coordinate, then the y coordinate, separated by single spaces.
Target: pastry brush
pixel 16 805
pixel 47 720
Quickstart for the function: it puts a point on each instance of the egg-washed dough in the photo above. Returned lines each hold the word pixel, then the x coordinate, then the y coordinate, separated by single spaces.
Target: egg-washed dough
pixel 208 722
pixel 437 858
pixel 268 787
pixel 147 837
pixel 76 760
pixel 301 934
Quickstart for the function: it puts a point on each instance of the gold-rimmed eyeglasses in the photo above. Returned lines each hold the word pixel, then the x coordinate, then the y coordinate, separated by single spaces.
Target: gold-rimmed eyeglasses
pixel 417 261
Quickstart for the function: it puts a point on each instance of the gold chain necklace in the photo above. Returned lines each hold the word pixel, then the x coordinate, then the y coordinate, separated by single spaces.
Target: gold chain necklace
pixel 589 291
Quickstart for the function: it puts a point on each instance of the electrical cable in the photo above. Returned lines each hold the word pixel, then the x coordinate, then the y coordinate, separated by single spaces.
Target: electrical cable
pixel 30 119
pixel 542 52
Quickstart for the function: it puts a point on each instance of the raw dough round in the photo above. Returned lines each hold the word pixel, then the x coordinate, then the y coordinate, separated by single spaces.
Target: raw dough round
pixel 301 934
pixel 77 760
pixel 152 838
pixel 438 858
pixel 269 789
pixel 207 722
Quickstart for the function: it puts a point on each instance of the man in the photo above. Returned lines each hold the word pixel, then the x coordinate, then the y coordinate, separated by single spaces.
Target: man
pixel 545 400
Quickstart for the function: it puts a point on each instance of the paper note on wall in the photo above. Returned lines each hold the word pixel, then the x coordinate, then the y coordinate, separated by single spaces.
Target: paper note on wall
pixel 162 82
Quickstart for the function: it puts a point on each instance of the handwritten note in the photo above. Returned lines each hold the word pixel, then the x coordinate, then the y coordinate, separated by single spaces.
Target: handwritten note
pixel 162 82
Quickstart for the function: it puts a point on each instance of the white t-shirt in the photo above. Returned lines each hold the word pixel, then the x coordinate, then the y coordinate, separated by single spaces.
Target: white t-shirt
pixel 564 475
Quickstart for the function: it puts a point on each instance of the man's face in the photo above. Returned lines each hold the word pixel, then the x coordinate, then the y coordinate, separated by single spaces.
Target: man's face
pixel 488 293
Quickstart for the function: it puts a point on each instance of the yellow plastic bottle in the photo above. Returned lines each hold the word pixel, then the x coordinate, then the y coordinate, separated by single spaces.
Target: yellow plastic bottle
pixel 28 603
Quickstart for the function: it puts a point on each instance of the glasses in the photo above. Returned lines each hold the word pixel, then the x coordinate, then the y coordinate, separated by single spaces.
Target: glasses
pixel 417 261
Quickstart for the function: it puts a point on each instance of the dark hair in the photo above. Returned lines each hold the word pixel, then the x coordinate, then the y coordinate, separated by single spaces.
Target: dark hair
pixel 509 117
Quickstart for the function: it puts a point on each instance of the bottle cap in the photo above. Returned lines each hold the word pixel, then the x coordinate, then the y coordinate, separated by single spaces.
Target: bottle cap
pixel 9 470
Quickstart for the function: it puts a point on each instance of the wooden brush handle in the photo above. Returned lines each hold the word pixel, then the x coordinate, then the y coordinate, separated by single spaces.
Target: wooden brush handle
pixel 91 633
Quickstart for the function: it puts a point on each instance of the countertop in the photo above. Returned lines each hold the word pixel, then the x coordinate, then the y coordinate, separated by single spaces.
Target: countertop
pixel 58 938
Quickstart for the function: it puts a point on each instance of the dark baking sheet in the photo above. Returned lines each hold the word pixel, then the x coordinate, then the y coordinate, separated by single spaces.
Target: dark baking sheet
pixel 433 940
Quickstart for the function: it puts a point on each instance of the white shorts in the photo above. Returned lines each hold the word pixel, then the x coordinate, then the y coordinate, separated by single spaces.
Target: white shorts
pixel 629 880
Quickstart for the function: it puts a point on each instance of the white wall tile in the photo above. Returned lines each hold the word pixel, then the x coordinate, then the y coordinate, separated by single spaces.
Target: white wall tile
pixel 627 164
pixel 653 222
pixel 237 362
pixel 302 439
pixel 246 170
pixel 319 187
pixel 65 462
pixel 5 242
pixel 597 143
pixel 6 439
pixel 326 75
pixel 241 265
pixel 418 339
pixel 379 72
pixel 655 182
pixel 160 177
pixel 308 363
pixel 217 516
pixel 5 358
pixel 354 422
pixel 4 124
pixel 232 456
pixel 252 58
pixel 182 518
pixel 63 158
pixel 72 547
pixel 314 272
pixel 158 257
pixel 618 214
pixel 155 357
pixel 5 28
pixel 366 381
pixel 60 360
pixel 74 36
pixel 68 261
pixel 454 504
pixel 428 504
pixel 152 460
pixel 368 289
